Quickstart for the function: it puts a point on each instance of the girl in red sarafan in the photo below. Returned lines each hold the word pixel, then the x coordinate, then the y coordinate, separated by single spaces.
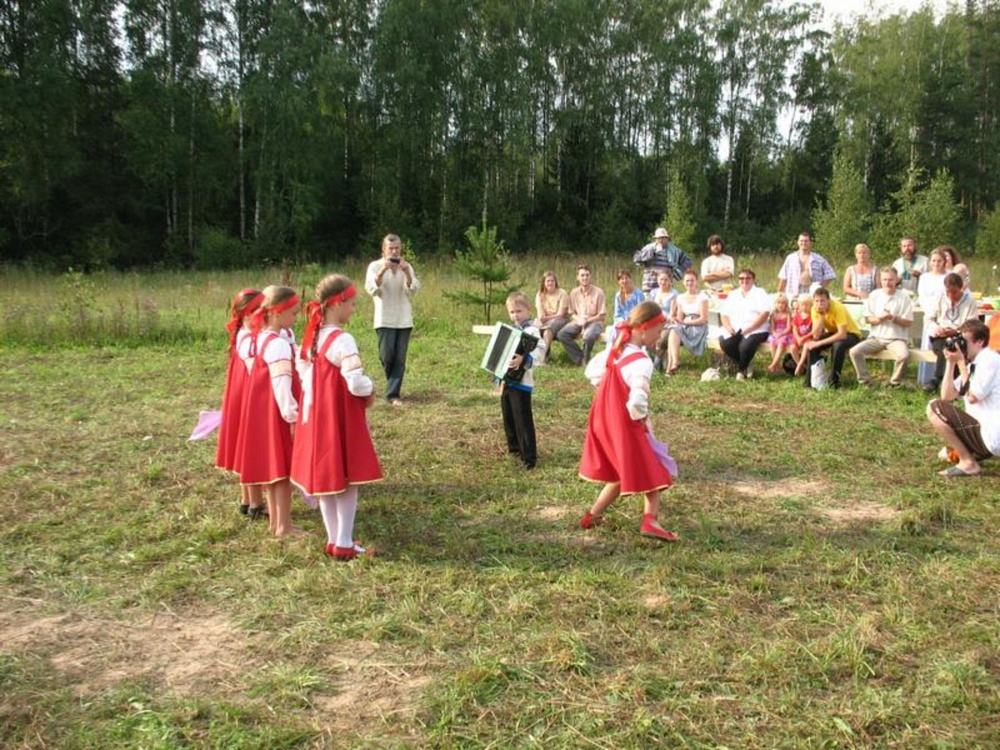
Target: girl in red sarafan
pixel 270 407
pixel 245 303
pixel 333 451
pixel 619 449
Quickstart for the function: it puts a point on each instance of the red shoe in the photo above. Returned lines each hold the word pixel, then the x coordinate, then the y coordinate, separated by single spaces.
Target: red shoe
pixel 651 530
pixel 588 521
pixel 349 553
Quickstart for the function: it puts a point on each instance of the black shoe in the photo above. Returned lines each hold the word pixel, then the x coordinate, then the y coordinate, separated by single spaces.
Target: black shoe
pixel 931 386
pixel 259 512
pixel 244 509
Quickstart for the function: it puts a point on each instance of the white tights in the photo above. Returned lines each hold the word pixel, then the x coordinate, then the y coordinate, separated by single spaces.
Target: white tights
pixel 338 516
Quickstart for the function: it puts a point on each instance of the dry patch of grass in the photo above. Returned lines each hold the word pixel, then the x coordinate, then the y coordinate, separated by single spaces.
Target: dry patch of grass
pixel 860 512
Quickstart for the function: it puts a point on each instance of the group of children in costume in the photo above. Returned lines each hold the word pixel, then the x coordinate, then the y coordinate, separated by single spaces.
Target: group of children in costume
pixel 298 417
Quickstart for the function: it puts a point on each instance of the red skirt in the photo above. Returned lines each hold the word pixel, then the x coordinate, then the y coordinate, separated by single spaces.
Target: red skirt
pixel 616 448
pixel 333 447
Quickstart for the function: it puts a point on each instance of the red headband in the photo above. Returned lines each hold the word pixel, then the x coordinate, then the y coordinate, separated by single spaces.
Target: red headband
pixel 624 333
pixel 315 312
pixel 237 319
pixel 257 322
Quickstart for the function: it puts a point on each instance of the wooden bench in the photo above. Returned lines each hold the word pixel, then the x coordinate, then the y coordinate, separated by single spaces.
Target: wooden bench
pixel 916 355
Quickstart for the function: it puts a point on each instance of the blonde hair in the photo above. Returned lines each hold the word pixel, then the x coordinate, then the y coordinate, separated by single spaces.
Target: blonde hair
pixel 643 313
pixel 780 297
pixel 330 285
pixel 546 275
pixel 275 295
pixel 519 298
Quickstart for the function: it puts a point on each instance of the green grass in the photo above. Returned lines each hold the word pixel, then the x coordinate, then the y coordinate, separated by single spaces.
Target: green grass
pixel 829 591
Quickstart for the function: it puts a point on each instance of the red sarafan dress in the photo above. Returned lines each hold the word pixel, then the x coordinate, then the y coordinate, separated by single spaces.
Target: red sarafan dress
pixel 264 446
pixel 237 377
pixel 333 447
pixel 617 448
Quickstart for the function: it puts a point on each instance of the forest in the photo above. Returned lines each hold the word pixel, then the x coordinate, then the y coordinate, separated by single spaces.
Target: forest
pixel 228 133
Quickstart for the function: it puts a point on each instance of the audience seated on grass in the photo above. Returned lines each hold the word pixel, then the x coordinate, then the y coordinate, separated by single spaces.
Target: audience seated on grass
pixel 745 326
pixel 834 333
pixel 889 312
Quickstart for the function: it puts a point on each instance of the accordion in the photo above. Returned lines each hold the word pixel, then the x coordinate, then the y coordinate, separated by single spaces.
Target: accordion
pixel 505 342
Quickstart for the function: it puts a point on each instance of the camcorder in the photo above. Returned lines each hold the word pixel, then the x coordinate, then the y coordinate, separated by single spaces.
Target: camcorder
pixel 395 260
pixel 957 344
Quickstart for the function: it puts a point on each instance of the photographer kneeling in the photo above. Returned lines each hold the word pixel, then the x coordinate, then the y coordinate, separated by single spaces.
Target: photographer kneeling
pixel 974 434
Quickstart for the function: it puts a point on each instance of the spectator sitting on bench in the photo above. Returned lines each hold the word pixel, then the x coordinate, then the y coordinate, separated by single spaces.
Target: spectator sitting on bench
pixel 587 312
pixel 954 307
pixel 744 316
pixel 833 329
pixel 889 312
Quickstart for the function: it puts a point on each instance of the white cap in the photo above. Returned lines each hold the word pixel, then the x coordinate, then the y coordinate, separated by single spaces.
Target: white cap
pixel 813 287
pixel 661 232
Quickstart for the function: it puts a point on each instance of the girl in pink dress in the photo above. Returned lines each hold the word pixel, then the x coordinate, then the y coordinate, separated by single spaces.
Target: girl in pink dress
pixel 271 405
pixel 619 450
pixel 333 452
pixel 802 326
pixel 781 338
pixel 238 373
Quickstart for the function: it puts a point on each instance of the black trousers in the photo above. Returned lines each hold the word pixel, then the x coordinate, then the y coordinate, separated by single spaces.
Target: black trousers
pixel 519 424
pixel 740 349
pixel 937 345
pixel 839 352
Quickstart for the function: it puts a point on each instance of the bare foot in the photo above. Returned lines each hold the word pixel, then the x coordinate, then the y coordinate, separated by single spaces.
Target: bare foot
pixel 291 531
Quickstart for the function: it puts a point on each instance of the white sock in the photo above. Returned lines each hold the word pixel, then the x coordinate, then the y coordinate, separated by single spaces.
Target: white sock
pixel 347 506
pixel 328 507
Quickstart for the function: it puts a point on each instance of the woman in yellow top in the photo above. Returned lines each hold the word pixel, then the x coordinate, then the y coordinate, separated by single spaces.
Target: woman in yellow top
pixel 552 306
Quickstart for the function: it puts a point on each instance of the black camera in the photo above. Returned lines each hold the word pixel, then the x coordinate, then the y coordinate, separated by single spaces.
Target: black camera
pixel 395 260
pixel 957 344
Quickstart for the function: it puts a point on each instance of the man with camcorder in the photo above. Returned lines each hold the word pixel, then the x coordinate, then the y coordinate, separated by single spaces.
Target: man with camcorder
pixel 974 434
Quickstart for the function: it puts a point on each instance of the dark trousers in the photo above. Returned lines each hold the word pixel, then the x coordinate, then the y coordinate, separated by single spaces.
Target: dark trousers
pixel 937 345
pixel 740 349
pixel 519 424
pixel 839 352
pixel 392 346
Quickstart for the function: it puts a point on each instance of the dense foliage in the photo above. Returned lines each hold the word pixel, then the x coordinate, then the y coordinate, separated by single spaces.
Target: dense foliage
pixel 228 132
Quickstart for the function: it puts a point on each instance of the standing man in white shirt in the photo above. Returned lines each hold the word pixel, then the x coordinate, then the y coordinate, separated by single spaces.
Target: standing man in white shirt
pixel 909 264
pixel 391 281
pixel 718 268
pixel 973 434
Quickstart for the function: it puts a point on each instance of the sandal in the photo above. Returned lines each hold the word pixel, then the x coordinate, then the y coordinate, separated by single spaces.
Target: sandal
pixel 590 521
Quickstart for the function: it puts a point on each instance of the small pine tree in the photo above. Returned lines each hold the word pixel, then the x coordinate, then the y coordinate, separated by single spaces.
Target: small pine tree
pixel 988 236
pixel 846 218
pixel 930 215
pixel 487 262
pixel 679 215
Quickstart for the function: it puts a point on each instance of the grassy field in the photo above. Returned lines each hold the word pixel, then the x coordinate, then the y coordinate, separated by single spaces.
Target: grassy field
pixel 829 590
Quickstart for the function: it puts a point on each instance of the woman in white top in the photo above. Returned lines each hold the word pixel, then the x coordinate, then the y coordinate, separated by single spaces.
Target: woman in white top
pixel 930 289
pixel 689 315
pixel 391 281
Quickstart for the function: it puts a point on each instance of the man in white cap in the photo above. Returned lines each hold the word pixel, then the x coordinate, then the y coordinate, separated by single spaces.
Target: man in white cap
pixel 659 255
